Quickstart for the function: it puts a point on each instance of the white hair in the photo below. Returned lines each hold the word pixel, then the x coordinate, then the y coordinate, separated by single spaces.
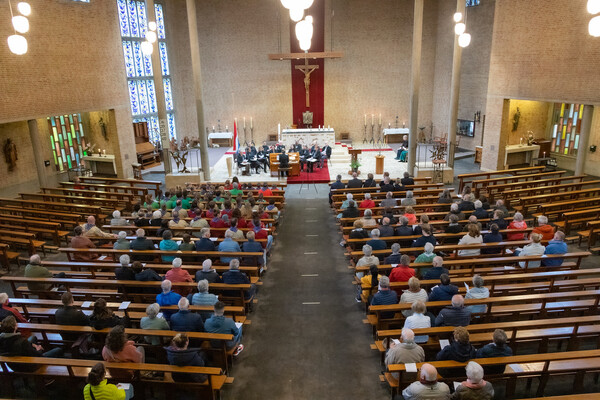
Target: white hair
pixel 203 286
pixel 478 204
pixel 429 372
pixel 228 233
pixel 35 259
pixel 453 207
pixel 437 261
pixel 177 262
pixel 375 233
pixel 474 372
pixel 152 310
pixel 518 216
pixel 408 335
pixel 183 304
pixel 124 260
pixel 396 248
pixel 458 300
pixel 234 264
pixel 542 220
pixel 3 298
pixel 206 264
pixel 122 235
pixel 166 286
pixel 116 214
pixel 368 212
pixel 349 196
pixel 367 195
pixel 428 248
pixel 409 194
pixel 140 233
pixel 368 250
pixel 156 214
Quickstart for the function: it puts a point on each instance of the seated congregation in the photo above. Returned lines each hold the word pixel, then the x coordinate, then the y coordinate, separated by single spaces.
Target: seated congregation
pixel 163 286
pixel 455 284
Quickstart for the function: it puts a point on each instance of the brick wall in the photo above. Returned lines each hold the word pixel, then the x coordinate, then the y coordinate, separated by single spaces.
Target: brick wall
pixel 74 64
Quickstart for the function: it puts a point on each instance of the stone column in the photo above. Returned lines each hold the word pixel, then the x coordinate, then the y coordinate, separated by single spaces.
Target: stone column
pixel 38 156
pixel 160 93
pixel 454 90
pixel 197 71
pixel 415 84
pixel 584 138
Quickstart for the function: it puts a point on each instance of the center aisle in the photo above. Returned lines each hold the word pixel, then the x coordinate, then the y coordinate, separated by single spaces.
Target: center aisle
pixel 307 351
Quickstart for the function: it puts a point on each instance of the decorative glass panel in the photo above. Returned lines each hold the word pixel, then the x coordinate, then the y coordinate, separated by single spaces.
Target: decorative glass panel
pixel 141 8
pixel 133 19
pixel 135 109
pixel 129 61
pixel 151 96
pixel 123 20
pixel 171 123
pixel 67 140
pixel 160 22
pixel 168 95
pixel 137 57
pixel 164 60
pixel 143 96
pixel 566 128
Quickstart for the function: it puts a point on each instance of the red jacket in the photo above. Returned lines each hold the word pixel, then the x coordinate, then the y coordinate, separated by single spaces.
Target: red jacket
pixel 179 275
pixel 516 225
pixel 547 231
pixel 20 318
pixel 261 234
pixel 401 274
pixel 266 192
pixel 242 223
pixel 219 223
pixel 366 203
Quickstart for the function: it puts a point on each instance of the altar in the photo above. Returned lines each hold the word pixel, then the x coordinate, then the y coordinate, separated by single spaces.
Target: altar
pixel 518 154
pixel 306 136
pixel 227 137
pixel 393 133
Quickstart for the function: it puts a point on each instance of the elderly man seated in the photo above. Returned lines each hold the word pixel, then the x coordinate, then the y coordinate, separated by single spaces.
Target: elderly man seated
pixel 117 220
pixel 125 272
pixel 407 351
pixel 235 277
pixel 79 241
pixel 474 387
pixel 208 273
pixel 178 274
pixel 385 296
pixel 184 320
pixel 228 245
pixel 393 258
pixel 167 297
pixel 376 243
pixel 389 201
pixel 427 387
pixel 218 323
pixel 544 229
pixel 454 315
pixel 556 246
pixel 205 244
pixel 122 243
pixel 91 230
pixel 498 348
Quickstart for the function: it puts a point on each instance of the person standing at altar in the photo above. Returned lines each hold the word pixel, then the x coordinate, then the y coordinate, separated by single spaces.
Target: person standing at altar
pixel 326 150
pixel 403 150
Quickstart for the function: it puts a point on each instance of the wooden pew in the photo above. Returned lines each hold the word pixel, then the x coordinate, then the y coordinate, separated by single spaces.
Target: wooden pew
pixel 104 203
pixel 101 194
pixel 512 195
pixel 583 396
pixel 154 185
pixel 49 207
pixel 37 226
pixel 23 239
pixel 575 219
pixel 215 232
pixel 375 189
pixel 464 179
pixel 555 209
pixel 533 202
pixel 71 370
pixel 429 193
pixel 593 229
pixel 496 190
pixel 418 180
pixel 280 184
pixel 6 256
pixel 66 220
pixel 142 192
pixel 478 185
pixel 541 366
pixel 516 307
pixel 91 289
pixel 493 265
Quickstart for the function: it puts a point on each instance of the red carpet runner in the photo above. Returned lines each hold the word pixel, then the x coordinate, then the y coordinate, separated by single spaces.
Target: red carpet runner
pixel 319 175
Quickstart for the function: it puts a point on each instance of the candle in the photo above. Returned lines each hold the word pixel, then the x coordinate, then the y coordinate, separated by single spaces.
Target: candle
pixel 389 125
pixel 227 128
pixel 251 123
pixel 379 119
pixel 372 116
pixel 213 128
pixel 244 122
pixel 365 119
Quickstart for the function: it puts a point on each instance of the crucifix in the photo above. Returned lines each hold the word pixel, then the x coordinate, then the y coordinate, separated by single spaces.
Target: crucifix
pixel 307 70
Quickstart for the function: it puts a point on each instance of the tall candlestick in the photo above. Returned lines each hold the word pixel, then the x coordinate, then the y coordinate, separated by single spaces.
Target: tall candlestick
pixel 379 119
pixel 244 122
pixel 251 123
pixel 365 119
pixel 372 116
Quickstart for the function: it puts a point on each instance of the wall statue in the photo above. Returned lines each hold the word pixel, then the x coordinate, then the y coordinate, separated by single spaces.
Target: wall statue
pixel 10 154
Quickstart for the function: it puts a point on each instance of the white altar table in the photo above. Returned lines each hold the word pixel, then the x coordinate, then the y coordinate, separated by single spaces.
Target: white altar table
pixel 306 136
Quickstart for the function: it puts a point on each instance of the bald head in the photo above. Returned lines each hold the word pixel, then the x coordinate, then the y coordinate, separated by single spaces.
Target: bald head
pixel 91 220
pixel 458 300
pixel 437 261
pixel 408 336
pixel 428 373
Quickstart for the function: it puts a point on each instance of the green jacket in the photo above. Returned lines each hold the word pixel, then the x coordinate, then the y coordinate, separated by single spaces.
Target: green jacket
pixel 37 271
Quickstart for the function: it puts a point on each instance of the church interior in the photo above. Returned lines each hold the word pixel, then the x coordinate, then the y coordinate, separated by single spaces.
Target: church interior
pixel 307 133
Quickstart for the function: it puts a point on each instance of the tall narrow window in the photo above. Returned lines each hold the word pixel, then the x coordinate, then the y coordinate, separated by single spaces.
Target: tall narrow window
pixel 138 66
pixel 566 127
pixel 67 140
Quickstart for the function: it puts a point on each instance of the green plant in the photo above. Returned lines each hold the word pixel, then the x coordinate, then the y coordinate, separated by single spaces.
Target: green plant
pixel 354 164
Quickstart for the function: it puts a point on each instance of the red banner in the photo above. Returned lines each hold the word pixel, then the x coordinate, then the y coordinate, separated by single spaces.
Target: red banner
pixel 316 93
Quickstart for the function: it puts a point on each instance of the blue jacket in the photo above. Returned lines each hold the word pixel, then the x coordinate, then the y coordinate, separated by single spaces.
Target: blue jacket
pixel 554 247
pixel 235 277
pixel 377 244
pixel 480 213
pixel 205 244
pixel 168 299
pixel 252 246
pixel 168 245
pixel 186 321
pixel 228 245
pixel 491 238
pixel 385 297
pixel 186 358
pixel 420 242
pixel 491 350
pixel 435 273
pixel 220 324
pixel 443 292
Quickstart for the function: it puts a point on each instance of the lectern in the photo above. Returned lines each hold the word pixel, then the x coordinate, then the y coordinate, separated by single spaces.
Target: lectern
pixel 354 153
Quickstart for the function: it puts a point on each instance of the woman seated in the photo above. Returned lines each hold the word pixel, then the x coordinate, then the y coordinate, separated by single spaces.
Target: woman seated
pixel 535 248
pixel 409 213
pixel 103 317
pixel 493 237
pixel 153 322
pixel 474 387
pixel 428 255
pixel 460 349
pixel 99 388
pixel 418 320
pixel 453 226
pixel 350 212
pixel 168 244
pixel 178 353
pixel 473 237
pixel 368 220
pixel 424 220
pixel 358 232
pixel 370 280
pixel 118 349
pixel 517 223
pixel 412 294
pixel 478 291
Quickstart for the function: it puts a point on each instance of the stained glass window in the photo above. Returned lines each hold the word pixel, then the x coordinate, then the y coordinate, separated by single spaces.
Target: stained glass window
pixel 67 140
pixel 133 23
pixel 471 3
pixel 566 127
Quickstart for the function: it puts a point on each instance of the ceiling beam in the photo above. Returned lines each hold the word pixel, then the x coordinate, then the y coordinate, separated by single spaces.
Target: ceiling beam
pixel 313 55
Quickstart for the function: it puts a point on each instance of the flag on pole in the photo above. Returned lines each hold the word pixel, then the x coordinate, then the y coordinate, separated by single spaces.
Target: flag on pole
pixel 236 142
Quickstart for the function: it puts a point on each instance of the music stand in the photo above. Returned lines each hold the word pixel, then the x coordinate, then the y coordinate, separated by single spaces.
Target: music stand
pixel 308 180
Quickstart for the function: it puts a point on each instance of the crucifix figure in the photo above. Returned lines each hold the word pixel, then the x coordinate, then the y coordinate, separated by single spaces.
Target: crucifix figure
pixel 307 70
